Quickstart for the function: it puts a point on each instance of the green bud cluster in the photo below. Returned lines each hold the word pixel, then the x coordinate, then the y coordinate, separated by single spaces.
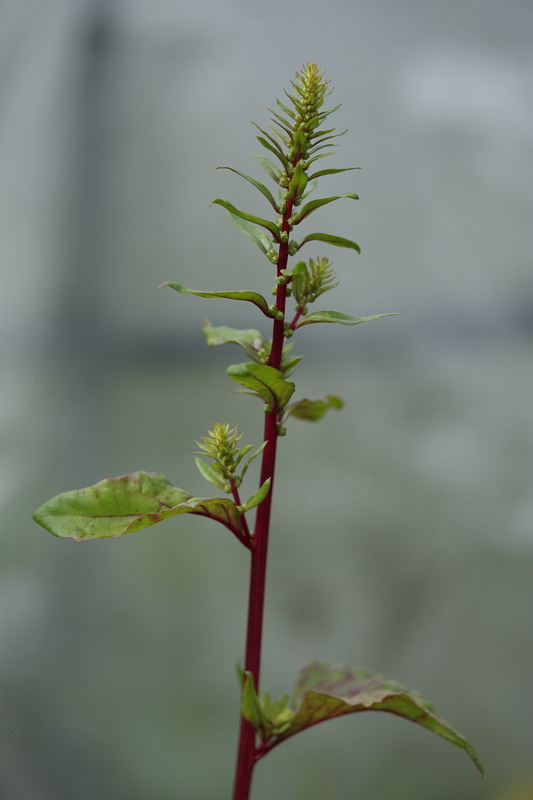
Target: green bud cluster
pixel 312 280
pixel 296 138
pixel 310 89
pixel 221 445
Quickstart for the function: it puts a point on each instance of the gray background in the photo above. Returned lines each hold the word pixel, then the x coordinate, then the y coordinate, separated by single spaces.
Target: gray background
pixel 402 535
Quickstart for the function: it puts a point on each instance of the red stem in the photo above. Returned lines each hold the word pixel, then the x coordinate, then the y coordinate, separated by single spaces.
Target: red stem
pixel 246 540
pixel 297 316
pixel 247 752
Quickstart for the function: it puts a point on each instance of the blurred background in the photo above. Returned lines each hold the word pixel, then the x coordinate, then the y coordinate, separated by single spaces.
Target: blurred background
pixel 402 535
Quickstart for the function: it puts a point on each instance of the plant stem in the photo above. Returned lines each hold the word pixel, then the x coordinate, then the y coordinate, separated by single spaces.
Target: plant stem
pixel 247 753
pixel 299 312
pixel 236 497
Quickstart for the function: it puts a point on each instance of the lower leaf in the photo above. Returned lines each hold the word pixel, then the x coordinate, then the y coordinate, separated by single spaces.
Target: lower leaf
pixel 324 691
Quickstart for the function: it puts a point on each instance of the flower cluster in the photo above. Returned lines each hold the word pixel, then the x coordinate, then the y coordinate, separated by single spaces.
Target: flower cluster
pixel 221 445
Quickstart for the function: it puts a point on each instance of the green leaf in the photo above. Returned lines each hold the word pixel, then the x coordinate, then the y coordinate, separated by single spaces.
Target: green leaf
pixel 242 452
pixel 320 147
pixel 338 317
pixel 318 203
pixel 322 137
pixel 264 223
pixel 264 381
pixel 338 241
pixel 284 162
pixel 323 114
pixel 313 410
pixel 207 472
pixel 240 294
pixel 252 457
pixel 251 708
pixel 220 509
pixel 269 167
pixel 251 340
pixel 324 691
pixel 283 123
pixel 271 143
pixel 116 506
pixel 310 161
pixel 311 186
pixel 298 182
pixel 286 109
pixel 296 103
pixel 323 172
pixel 288 364
pixel 253 232
pixel 318 134
pixel 274 137
pixel 261 187
pixel 257 498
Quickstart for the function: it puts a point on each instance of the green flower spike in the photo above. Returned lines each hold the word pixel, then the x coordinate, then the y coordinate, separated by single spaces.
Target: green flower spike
pixel 221 445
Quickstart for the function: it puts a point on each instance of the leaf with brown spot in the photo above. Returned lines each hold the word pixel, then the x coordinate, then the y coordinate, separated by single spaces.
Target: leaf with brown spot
pixel 324 691
pixel 116 506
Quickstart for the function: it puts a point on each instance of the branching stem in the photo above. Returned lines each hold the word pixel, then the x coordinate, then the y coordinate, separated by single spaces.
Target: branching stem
pixel 299 312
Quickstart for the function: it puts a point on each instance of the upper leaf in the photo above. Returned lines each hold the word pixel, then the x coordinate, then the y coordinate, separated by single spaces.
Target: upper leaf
pixel 269 167
pixel 210 475
pixel 331 172
pixel 266 144
pixel 274 137
pixel 318 203
pixel 338 241
pixel 260 186
pixel 116 506
pixel 264 381
pixel 251 340
pixel 240 294
pixel 253 232
pixel 258 497
pixel 339 317
pixel 264 223
pixel 313 410
pixel 298 182
pixel 252 458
